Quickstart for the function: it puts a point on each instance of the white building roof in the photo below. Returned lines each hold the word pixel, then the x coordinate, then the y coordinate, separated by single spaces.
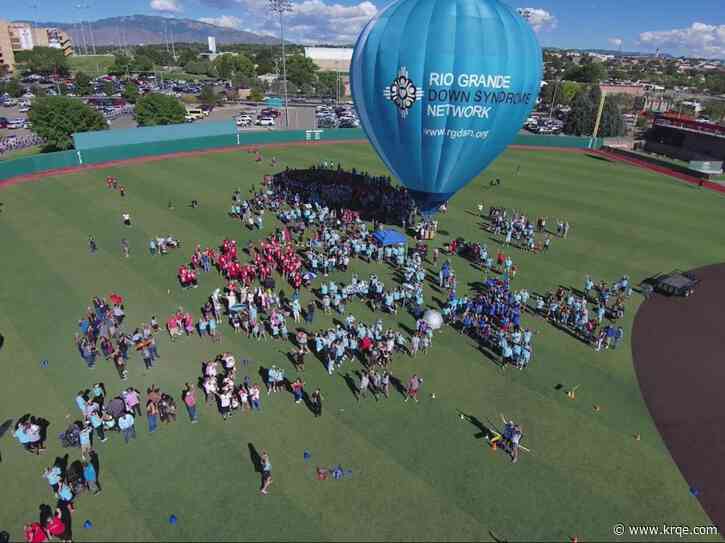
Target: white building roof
pixel 329 53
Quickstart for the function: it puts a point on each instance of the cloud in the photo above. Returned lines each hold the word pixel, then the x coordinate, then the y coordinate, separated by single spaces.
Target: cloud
pixel 169 6
pixel 309 21
pixel 538 18
pixel 616 42
pixel 225 21
pixel 699 40
pixel 221 4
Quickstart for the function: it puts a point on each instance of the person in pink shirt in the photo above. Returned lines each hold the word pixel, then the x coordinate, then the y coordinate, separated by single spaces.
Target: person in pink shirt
pixel 189 397
pixel 132 401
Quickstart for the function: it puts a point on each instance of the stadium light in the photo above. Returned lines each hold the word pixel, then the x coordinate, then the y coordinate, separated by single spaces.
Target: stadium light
pixel 280 7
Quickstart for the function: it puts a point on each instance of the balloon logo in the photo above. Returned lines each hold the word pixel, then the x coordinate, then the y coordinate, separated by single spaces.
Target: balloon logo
pixel 442 87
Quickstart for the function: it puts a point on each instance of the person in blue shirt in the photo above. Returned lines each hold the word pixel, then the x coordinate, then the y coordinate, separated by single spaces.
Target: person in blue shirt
pixel 65 495
pixel 89 474
pixel 52 475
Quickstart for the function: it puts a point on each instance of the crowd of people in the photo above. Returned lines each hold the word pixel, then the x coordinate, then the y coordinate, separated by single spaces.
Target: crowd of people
pixel 102 328
pixel 323 212
pixel 15 143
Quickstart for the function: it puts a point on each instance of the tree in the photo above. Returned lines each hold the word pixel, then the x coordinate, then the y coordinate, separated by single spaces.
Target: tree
pixel 108 88
pixel 142 63
pixel 121 65
pixel 83 84
pixel 256 95
pixel 301 70
pixel 714 110
pixel 199 67
pixel 208 96
pixel 581 118
pixel 612 122
pixel 227 66
pixel 56 118
pixel 265 61
pixel 589 72
pixel 567 91
pixel 130 93
pixel 155 109
pixel 326 82
pixel 240 81
pixel 14 88
pixel 186 56
pixel 47 60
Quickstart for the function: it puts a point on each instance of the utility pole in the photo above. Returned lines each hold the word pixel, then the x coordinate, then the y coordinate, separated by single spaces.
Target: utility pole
pixel 280 7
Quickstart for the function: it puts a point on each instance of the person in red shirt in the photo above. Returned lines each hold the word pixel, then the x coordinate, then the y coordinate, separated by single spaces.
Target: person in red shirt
pixel 35 533
pixel 413 386
pixel 56 526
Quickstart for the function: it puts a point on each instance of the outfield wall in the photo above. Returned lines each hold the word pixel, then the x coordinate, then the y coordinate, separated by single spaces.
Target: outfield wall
pixel 117 151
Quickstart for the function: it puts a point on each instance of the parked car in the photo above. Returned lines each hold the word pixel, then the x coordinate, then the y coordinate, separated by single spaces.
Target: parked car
pixel 265 121
pixel 14 124
pixel 3 122
pixel 24 109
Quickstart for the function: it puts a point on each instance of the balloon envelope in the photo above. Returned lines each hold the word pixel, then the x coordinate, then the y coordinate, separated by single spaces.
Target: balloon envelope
pixel 442 87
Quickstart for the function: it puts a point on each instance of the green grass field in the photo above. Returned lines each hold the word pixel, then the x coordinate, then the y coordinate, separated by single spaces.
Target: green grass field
pixel 419 473
pixel 93 65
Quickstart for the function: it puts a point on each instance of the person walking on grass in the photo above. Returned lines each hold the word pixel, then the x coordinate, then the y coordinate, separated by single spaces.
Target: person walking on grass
pixel 316 402
pixel 266 465
pixel 92 244
pixel 413 386
pixel 126 425
pixel 364 385
pixel 189 397
pixel 298 389
pixel 152 414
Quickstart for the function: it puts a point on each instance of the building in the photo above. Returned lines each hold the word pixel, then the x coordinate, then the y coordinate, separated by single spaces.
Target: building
pixel 7 55
pixel 330 59
pixel 25 36
pixel 58 39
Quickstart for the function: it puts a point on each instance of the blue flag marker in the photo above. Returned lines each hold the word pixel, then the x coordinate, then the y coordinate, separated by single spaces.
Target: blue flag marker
pixel 172 519
pixel 442 87
pixel 307 455
pixel 88 524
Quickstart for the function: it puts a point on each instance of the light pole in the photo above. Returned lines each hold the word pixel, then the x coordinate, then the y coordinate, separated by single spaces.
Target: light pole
pixel 280 7
pixel 91 38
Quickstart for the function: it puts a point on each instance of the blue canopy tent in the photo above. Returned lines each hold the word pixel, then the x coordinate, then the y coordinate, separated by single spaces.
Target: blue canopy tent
pixel 389 237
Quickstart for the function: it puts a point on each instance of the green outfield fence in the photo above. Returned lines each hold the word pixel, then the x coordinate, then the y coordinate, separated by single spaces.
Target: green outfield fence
pixel 108 146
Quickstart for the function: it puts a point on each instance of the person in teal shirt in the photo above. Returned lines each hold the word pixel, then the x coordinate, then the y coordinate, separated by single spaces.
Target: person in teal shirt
pixel 89 474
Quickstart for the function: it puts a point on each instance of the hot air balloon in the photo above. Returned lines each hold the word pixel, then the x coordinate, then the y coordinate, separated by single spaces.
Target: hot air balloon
pixel 442 87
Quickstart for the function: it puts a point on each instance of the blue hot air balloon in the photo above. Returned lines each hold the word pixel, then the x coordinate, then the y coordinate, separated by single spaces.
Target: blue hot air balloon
pixel 442 87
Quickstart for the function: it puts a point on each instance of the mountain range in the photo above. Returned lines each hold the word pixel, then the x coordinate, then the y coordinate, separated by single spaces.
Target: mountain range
pixel 148 29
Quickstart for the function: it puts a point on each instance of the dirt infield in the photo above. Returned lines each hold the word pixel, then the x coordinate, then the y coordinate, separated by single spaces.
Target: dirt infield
pixel 239 148
pixel 677 345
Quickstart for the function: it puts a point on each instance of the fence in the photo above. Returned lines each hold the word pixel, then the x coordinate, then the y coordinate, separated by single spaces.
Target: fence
pixel 107 146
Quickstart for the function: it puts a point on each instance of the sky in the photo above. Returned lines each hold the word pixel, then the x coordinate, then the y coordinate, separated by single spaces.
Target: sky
pixel 690 28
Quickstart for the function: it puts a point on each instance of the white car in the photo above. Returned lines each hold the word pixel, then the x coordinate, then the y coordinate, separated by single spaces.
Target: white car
pixel 265 121
pixel 16 123
pixel 24 109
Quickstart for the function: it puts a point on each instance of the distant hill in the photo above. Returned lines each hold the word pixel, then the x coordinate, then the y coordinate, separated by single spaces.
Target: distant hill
pixel 148 29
